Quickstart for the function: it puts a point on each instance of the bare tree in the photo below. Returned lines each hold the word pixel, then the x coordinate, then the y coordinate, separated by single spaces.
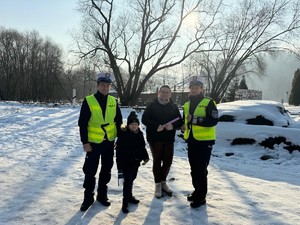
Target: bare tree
pixel 138 40
pixel 30 68
pixel 250 30
pixel 10 45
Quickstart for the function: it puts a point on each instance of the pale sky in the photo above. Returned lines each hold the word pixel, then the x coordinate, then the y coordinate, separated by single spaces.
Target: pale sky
pixel 278 80
pixel 51 18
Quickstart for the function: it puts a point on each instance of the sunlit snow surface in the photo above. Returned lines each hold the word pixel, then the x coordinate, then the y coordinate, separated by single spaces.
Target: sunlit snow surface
pixel 41 174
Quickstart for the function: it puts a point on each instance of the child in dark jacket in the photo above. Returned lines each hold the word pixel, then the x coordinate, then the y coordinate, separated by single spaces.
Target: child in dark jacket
pixel 130 151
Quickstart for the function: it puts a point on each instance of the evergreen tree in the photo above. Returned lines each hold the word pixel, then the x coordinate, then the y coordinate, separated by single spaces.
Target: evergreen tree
pixel 231 93
pixel 243 84
pixel 295 92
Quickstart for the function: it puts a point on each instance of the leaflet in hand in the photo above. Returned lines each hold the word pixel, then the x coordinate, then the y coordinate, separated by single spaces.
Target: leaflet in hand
pixel 172 121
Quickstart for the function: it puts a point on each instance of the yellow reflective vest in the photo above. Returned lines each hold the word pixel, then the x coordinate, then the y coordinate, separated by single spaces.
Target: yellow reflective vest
pixel 98 126
pixel 199 133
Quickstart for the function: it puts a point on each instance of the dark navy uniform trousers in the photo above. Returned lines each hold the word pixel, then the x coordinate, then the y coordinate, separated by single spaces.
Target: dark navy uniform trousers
pixel 199 153
pixel 105 151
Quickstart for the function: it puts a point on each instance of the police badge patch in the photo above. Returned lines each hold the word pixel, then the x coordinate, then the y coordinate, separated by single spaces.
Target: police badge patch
pixel 214 114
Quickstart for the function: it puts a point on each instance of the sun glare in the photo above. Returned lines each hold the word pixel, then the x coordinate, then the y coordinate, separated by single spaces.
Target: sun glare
pixel 191 20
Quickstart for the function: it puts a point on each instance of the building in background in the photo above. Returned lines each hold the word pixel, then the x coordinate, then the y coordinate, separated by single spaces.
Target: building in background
pixel 247 94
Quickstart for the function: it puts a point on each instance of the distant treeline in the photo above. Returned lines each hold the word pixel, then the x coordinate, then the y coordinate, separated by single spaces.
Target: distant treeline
pixel 30 67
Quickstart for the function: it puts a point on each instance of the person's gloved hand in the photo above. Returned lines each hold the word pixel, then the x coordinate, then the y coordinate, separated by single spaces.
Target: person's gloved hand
pixel 145 161
pixel 183 128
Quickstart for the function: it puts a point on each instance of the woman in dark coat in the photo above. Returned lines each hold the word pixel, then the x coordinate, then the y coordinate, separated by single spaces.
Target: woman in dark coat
pixel 130 151
pixel 162 118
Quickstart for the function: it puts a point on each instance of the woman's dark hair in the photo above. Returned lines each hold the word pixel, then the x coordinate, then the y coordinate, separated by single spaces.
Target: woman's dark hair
pixel 165 86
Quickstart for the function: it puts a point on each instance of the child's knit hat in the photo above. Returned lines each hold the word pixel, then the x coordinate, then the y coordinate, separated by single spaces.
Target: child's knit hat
pixel 132 118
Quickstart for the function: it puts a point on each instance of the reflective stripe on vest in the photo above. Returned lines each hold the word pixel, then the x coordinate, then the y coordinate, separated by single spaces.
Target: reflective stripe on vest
pixel 96 133
pixel 199 133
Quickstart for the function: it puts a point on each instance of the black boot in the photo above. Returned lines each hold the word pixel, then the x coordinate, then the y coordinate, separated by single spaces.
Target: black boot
pixel 198 203
pixel 102 194
pixel 195 195
pixel 103 200
pixel 190 197
pixel 133 200
pixel 86 204
pixel 125 206
pixel 88 201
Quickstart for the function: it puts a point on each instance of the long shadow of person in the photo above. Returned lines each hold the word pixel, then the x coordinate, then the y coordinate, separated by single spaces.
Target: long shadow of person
pixel 199 215
pixel 156 208
pixel 85 217
pixel 121 216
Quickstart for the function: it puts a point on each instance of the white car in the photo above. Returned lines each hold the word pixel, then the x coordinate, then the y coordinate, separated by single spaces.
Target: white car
pixel 255 112
pixel 266 123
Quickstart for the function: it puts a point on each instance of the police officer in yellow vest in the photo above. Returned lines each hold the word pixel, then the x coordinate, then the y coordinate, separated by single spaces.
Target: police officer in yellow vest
pixel 99 121
pixel 200 118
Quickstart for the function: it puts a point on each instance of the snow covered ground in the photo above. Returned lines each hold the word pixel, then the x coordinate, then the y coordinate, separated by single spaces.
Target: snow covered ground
pixel 41 175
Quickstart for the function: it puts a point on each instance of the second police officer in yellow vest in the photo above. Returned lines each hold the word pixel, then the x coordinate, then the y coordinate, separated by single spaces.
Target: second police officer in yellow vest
pixel 200 118
pixel 99 121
